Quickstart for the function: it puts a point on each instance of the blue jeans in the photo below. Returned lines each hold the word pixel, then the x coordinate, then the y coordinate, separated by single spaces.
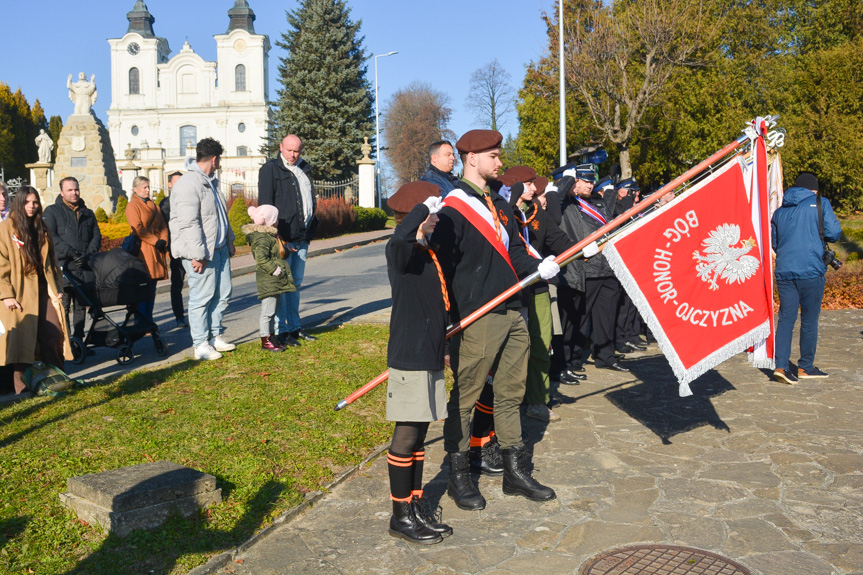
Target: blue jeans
pixel 805 294
pixel 287 317
pixel 209 292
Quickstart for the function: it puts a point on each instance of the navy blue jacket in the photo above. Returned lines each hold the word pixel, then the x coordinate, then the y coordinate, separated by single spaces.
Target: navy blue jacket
pixel 794 230
pixel 444 180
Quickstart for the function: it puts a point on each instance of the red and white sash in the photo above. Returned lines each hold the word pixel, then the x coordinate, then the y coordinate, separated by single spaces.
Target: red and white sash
pixel 592 212
pixel 481 218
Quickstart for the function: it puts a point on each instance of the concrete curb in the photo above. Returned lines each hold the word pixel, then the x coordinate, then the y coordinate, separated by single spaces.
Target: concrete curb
pixel 223 559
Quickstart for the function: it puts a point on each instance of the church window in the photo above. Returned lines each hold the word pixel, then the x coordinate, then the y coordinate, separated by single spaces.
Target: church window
pixel 134 130
pixel 188 138
pixel 134 81
pixel 241 127
pixel 242 151
pixel 240 78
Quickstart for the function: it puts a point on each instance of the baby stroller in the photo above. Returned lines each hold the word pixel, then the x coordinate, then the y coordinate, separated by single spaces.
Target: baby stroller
pixel 121 280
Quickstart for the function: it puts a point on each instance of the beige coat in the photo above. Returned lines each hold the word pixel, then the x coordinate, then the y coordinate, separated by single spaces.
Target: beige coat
pixel 149 226
pixel 18 344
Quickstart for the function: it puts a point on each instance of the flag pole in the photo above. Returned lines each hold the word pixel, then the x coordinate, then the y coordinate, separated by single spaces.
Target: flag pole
pixel 564 258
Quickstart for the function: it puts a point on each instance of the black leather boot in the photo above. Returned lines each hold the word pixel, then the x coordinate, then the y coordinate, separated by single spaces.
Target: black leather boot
pixel 486 459
pixel 422 513
pixel 405 524
pixel 516 479
pixel 460 486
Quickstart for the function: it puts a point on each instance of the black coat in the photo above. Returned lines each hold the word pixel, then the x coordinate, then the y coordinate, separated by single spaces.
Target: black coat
pixel 73 232
pixel 278 187
pixel 418 319
pixel 578 226
pixel 476 273
pixel 546 238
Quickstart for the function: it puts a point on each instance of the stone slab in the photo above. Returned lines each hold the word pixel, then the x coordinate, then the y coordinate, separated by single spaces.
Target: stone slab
pixel 150 517
pixel 143 485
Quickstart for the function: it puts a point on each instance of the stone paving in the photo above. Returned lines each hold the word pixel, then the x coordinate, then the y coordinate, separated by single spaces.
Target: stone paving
pixel 763 473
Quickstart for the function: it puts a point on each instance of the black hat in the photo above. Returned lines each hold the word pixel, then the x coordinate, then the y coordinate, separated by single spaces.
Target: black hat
pixel 628 183
pixel 807 180
pixel 603 183
pixel 586 172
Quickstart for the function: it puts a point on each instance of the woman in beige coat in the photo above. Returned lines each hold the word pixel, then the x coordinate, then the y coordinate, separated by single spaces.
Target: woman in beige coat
pixel 30 289
pixel 149 226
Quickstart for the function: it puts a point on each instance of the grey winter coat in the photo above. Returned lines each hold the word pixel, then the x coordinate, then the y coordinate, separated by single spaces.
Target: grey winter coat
pixel 195 215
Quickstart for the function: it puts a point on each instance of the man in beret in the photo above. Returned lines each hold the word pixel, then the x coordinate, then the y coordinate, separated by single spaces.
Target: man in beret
pixel 441 163
pixel 481 256
pixel 796 234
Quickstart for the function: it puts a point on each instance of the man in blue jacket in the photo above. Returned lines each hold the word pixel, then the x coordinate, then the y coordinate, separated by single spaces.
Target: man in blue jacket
pixel 800 273
pixel 441 163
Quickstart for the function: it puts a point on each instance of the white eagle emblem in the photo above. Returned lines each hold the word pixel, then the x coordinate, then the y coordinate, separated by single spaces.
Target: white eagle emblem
pixel 724 259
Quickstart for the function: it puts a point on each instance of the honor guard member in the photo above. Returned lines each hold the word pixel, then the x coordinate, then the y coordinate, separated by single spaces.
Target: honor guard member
pixel 628 329
pixel 541 238
pixel 586 210
pixel 482 257
pixel 416 394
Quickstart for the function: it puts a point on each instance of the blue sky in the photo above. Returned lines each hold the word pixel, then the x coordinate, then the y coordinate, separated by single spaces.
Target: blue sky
pixel 440 43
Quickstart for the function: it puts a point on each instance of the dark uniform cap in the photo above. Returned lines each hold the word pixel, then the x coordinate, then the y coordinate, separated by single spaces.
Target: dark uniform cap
pixel 540 183
pixel 522 173
pixel 628 183
pixel 586 172
pixel 411 194
pixel 603 183
pixel 807 180
pixel 477 141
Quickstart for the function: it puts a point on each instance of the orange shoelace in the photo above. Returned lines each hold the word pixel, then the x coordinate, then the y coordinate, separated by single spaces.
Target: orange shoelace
pixel 493 215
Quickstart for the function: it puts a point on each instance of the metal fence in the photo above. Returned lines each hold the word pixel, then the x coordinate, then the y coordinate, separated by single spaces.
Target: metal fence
pixel 343 189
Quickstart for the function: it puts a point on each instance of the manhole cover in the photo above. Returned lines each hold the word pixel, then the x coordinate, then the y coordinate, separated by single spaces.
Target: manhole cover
pixel 661 560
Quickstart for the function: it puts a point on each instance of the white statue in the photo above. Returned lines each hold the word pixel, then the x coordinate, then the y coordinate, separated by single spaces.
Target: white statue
pixel 82 93
pixel 46 145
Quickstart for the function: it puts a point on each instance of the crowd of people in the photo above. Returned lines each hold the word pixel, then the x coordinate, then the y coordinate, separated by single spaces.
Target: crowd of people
pixel 44 258
pixel 460 243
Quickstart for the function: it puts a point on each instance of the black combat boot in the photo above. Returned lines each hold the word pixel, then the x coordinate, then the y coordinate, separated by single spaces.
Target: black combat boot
pixel 460 486
pixel 422 513
pixel 486 459
pixel 405 524
pixel 517 480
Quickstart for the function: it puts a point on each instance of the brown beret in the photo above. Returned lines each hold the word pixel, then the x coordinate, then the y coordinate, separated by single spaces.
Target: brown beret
pixel 507 180
pixel 477 141
pixel 522 173
pixel 411 194
pixel 540 183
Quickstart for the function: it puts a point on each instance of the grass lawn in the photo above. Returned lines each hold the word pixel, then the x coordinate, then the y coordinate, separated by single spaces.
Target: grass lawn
pixel 262 423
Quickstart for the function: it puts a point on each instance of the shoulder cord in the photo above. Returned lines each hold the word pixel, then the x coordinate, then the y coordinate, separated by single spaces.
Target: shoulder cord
pixel 439 274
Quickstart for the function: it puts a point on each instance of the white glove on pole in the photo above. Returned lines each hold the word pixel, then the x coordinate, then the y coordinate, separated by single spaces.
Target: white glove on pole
pixel 278 271
pixel 548 268
pixel 433 203
pixel 590 250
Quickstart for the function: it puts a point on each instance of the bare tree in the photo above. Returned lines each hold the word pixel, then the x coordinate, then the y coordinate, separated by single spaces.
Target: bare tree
pixel 414 117
pixel 619 57
pixel 491 96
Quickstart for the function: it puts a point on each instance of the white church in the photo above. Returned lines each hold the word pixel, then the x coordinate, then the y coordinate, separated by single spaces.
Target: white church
pixel 162 105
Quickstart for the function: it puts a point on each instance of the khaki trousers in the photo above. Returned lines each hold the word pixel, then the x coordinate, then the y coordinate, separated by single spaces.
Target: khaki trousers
pixel 497 342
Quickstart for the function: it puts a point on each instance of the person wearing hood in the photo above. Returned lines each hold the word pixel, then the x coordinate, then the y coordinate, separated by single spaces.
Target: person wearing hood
pixel 272 273
pixel 150 228
pixel 800 272
pixel 76 236
pixel 202 236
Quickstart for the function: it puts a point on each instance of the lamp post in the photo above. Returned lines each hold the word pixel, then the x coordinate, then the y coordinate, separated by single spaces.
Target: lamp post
pixel 562 86
pixel 378 132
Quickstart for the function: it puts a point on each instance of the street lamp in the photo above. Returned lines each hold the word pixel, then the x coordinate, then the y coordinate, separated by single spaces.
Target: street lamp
pixel 378 132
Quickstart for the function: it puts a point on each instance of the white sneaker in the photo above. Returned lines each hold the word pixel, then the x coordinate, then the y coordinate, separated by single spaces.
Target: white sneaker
pixel 221 345
pixel 206 352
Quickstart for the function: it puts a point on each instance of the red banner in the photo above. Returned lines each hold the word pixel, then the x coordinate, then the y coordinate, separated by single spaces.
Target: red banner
pixel 694 270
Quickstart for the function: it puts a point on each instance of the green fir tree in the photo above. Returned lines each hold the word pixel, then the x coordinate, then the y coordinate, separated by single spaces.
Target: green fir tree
pixel 324 98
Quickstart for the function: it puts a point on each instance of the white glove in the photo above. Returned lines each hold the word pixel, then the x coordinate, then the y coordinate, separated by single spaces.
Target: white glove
pixel 548 268
pixel 550 188
pixel 590 250
pixel 570 172
pixel 433 203
pixel 277 272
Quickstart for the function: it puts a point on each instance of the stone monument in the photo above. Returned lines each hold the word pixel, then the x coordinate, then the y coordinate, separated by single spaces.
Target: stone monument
pixel 41 174
pixel 84 150
pixel 366 176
